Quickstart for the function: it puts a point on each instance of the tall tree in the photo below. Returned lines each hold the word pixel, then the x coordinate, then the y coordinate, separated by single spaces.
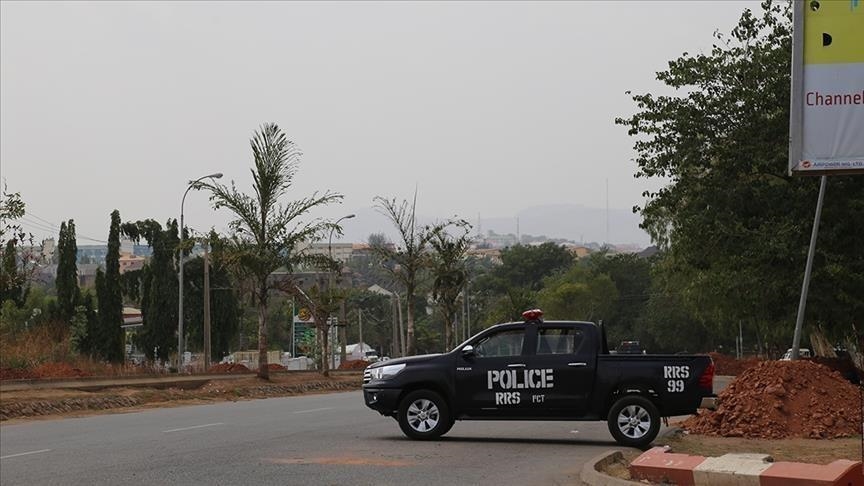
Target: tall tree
pixel 409 256
pixel 158 287
pixel 68 292
pixel 450 272
pixel 16 265
pixel 110 298
pixel 225 307
pixel 267 234
pixel 578 294
pixel 730 218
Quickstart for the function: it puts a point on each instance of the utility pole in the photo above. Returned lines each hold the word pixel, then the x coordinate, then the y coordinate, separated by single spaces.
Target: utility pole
pixel 207 357
pixel 360 327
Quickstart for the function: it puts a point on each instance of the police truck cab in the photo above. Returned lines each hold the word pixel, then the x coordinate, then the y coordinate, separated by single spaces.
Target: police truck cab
pixel 539 370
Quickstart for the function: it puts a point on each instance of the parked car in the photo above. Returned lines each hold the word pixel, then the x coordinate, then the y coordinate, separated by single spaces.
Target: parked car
pixel 802 353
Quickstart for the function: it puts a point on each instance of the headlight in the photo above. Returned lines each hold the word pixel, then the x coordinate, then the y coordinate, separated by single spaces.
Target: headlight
pixel 384 372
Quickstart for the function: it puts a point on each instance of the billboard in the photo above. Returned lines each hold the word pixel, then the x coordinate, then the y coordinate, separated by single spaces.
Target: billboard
pixel 827 112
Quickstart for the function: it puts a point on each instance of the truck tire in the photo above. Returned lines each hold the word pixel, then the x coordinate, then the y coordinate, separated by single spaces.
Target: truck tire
pixel 634 421
pixel 423 415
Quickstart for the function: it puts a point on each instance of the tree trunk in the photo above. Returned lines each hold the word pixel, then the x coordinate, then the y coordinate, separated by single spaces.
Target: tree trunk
pixel 263 369
pixel 409 339
pixel 323 337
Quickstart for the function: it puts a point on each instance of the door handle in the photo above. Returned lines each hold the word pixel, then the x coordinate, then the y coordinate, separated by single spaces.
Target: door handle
pixel 577 365
pixel 516 365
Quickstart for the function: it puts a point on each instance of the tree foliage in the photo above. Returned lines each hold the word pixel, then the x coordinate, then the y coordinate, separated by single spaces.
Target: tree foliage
pixel 730 220
pixel 267 234
pixel 110 339
pixel 68 293
pixel 158 287
pixel 409 256
pixel 224 305
pixel 578 294
pixel 449 272
pixel 16 261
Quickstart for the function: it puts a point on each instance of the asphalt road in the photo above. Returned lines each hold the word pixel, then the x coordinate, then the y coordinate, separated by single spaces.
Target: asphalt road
pixel 316 439
pixel 309 440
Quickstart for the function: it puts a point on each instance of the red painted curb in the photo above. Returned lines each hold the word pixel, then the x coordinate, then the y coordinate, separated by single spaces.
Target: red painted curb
pixel 841 473
pixel 659 465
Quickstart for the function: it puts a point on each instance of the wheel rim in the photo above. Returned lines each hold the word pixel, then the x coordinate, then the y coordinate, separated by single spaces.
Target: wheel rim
pixel 634 421
pixel 423 415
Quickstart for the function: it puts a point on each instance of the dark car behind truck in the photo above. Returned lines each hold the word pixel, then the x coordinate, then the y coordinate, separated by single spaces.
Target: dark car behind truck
pixel 536 370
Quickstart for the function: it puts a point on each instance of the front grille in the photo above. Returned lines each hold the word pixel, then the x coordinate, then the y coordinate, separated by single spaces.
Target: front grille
pixel 367 376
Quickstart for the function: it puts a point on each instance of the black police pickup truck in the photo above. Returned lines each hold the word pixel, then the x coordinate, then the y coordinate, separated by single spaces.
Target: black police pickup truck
pixel 536 370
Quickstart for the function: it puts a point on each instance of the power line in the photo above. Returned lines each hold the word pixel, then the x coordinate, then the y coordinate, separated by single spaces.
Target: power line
pixel 54 228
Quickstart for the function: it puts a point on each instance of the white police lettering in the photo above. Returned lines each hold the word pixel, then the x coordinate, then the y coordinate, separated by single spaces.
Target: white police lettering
pixel 507 398
pixel 676 372
pixel 538 398
pixel 520 379
pixel 673 376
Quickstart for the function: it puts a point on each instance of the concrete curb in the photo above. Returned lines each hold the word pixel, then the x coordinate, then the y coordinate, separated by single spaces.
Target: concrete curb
pixel 661 465
pixel 592 476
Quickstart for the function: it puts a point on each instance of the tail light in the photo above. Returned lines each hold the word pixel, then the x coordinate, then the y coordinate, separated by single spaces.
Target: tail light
pixel 706 380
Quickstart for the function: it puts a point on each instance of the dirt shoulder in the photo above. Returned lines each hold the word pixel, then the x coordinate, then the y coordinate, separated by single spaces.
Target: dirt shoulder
pixel 55 402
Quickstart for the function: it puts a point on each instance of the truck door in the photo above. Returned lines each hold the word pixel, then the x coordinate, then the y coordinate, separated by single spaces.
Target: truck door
pixel 487 376
pixel 565 355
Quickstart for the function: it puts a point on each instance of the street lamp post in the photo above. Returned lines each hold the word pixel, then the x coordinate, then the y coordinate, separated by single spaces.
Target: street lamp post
pixel 330 283
pixel 189 186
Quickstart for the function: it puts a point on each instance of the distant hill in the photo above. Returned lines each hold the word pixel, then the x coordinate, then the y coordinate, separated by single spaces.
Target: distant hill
pixel 569 221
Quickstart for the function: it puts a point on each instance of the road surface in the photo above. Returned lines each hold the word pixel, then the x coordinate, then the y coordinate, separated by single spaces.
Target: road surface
pixel 309 440
pixel 315 439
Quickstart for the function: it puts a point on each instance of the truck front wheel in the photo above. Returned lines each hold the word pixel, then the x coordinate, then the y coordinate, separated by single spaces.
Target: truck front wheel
pixel 423 414
pixel 634 421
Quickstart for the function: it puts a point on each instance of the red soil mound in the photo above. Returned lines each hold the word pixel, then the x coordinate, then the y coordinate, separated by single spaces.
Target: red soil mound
pixel 782 399
pixel 275 367
pixel 16 374
pixel 58 370
pixel 45 370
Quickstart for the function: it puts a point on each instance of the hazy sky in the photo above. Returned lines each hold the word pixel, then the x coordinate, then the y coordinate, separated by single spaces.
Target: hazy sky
pixel 486 107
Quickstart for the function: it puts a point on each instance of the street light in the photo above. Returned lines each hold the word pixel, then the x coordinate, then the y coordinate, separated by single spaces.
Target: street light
pixel 330 283
pixel 190 185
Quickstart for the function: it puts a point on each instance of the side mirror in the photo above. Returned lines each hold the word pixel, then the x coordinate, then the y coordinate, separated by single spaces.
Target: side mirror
pixel 468 351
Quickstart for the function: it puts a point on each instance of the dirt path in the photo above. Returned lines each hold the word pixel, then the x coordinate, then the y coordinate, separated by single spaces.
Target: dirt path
pixel 53 402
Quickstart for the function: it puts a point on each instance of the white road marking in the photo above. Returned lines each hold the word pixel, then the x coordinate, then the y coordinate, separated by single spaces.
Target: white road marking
pixel 194 427
pixel 314 410
pixel 25 454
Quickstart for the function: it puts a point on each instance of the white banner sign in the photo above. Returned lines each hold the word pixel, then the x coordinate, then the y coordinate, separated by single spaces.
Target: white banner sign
pixel 827 116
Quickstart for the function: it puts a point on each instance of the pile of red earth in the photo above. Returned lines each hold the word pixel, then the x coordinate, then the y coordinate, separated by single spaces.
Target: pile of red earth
pixel 275 367
pixel 16 374
pixel 58 370
pixel 729 366
pixel 783 399
pixel 228 368
pixel 353 364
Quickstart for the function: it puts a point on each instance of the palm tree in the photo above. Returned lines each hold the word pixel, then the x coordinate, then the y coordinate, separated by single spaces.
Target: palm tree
pixel 266 235
pixel 409 257
pixel 450 273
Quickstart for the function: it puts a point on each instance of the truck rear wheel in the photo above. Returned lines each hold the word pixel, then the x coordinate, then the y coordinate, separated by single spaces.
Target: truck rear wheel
pixel 634 421
pixel 423 415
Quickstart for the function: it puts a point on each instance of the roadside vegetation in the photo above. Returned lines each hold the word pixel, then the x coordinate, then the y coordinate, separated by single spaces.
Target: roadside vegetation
pixel 731 229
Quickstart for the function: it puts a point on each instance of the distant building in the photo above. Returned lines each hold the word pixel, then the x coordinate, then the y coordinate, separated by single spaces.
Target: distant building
pixel 130 262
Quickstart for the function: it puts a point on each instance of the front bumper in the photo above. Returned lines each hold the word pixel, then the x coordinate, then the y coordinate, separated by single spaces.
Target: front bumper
pixel 711 403
pixel 383 400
